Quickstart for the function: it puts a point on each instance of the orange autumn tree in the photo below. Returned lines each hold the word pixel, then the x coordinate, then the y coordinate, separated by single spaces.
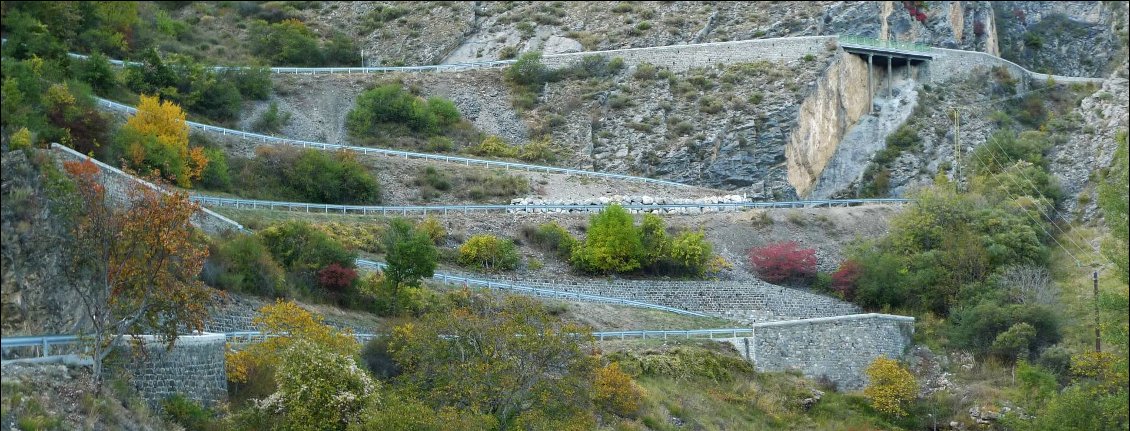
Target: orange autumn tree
pixel 139 264
pixel 155 140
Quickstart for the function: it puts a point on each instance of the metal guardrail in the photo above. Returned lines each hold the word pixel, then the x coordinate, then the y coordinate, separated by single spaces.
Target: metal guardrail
pixel 43 342
pixel 449 67
pixel 244 337
pixel 444 209
pixel 892 45
pixel 534 291
pixel 397 153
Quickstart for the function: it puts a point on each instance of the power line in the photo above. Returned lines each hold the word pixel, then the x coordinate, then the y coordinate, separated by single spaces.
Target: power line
pixel 1035 220
pixel 1038 192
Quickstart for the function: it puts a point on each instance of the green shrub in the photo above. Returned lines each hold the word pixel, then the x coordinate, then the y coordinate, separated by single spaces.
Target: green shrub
pixel 507 52
pixel 595 66
pixel 494 146
pixel 333 178
pixel 254 84
pixel 644 72
pixel 341 51
pixel 271 121
pixel 432 227
pixel 433 178
pixel 378 359
pixel 488 252
pixel 904 138
pixel 690 252
pixel 286 43
pixel 538 150
pixel 303 250
pixel 392 103
pixel 306 175
pixel 528 70
pixel 552 237
pixel 991 327
pixel 20 140
pixel 215 175
pixel 242 263
pixel 440 144
pixel 188 414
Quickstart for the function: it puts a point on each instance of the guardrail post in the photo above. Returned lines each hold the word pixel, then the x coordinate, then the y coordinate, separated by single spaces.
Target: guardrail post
pixel 46 347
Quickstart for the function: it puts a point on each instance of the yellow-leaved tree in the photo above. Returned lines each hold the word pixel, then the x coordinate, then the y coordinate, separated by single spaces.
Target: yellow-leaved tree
pixel 155 139
pixel 891 386
pixel 285 323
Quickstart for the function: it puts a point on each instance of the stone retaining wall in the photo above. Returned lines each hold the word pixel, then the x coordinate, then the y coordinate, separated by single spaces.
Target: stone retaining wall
pixel 679 58
pixel 119 183
pixel 836 348
pixel 745 301
pixel 237 311
pixel 951 63
pixel 194 368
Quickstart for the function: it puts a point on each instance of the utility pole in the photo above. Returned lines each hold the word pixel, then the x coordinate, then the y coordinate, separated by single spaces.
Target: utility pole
pixel 956 149
pixel 1098 335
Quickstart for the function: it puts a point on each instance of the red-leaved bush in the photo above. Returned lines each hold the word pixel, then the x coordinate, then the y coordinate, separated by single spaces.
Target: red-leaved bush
pixel 781 261
pixel 843 280
pixel 920 16
pixel 336 277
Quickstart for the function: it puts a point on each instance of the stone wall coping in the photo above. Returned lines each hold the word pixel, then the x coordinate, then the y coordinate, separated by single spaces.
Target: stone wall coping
pixel 817 320
pixel 1035 75
pixel 182 340
pixel 65 149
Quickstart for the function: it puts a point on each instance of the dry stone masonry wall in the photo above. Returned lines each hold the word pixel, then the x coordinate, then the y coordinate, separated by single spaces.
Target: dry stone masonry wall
pixel 745 301
pixel 680 58
pixel 193 368
pixel 119 183
pixel 695 206
pixel 836 348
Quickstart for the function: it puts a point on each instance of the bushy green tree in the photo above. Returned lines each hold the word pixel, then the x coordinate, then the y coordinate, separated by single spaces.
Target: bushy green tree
pixel 979 326
pixel 337 178
pixel 411 255
pixel 690 252
pixel 612 245
pixel 508 359
pixel 1114 199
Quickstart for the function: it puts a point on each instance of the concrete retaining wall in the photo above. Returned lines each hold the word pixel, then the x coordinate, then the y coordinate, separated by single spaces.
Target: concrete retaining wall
pixel 836 348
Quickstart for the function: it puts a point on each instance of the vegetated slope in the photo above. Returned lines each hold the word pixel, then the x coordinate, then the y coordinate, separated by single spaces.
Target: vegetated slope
pixel 827 230
pixel 721 126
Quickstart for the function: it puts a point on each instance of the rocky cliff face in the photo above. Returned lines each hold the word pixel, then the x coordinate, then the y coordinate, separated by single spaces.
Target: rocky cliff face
pixel 839 100
pixel 34 288
pixel 1065 38
pixel 1103 115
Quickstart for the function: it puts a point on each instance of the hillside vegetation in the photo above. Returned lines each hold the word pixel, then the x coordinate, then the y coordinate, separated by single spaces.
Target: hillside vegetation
pixel 993 254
